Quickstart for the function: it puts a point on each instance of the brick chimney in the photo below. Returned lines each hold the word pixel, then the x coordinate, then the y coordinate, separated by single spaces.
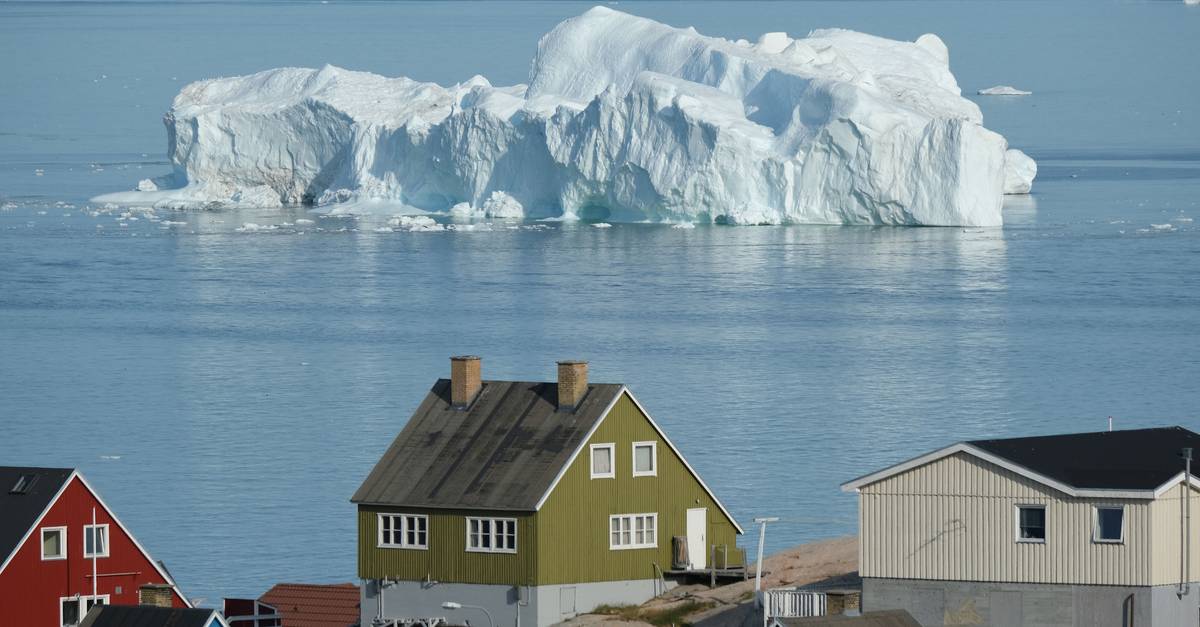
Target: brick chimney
pixel 572 384
pixel 464 380
pixel 156 594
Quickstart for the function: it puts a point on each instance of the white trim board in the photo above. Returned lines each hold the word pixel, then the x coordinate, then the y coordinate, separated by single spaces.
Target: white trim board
pixel 603 416
pixel 855 485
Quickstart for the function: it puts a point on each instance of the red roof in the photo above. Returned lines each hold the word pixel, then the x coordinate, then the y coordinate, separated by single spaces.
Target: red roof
pixel 314 605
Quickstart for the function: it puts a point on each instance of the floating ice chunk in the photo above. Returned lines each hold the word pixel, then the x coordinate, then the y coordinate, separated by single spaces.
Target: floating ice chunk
pixel 463 210
pixel 602 225
pixel 1019 172
pixel 501 205
pixel 147 185
pixel 251 227
pixel 1003 90
pixel 415 223
pixel 683 225
pixel 624 119
pixel 1163 227
pixel 1192 2
pixel 304 221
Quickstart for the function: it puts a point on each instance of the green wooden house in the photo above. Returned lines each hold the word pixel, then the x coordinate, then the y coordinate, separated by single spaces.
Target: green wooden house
pixel 534 501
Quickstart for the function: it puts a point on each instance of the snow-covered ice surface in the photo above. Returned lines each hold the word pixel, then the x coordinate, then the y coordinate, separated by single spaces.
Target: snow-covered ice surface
pixel 623 119
pixel 1004 90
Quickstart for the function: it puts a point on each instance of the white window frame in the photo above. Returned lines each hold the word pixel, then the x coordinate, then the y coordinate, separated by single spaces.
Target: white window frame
pixel 612 460
pixel 62 547
pixel 1017 523
pixel 82 601
pixel 653 472
pixel 107 541
pixel 633 544
pixel 493 534
pixel 1096 524
pixel 403 531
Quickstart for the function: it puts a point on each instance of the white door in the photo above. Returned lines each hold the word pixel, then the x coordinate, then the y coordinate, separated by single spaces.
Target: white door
pixel 697 535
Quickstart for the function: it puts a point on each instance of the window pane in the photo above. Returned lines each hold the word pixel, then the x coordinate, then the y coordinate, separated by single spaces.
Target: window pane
pixel 601 461
pixel 52 543
pixel 643 459
pixel 1033 523
pixel 650 537
pixel 89 536
pixel 1109 519
pixel 101 540
pixel 70 612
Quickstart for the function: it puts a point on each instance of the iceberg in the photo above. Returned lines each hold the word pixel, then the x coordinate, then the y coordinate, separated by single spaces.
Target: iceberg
pixel 1004 90
pixel 623 119
pixel 1019 172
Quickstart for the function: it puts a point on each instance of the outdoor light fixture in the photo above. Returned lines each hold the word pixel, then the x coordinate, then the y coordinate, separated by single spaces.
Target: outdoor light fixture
pixel 453 605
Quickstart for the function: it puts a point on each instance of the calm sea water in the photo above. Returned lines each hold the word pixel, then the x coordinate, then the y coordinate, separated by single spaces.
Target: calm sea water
pixel 227 391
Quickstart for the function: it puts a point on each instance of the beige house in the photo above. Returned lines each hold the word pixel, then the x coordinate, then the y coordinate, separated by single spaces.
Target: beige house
pixel 1077 529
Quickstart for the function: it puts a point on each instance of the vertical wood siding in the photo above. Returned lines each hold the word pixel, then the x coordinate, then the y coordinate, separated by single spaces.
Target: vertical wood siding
pixel 446 559
pixel 1165 513
pixel 573 524
pixel 955 519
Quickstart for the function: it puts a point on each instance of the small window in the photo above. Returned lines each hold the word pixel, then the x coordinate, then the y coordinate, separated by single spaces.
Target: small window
pixel 95 541
pixel 633 531
pixel 645 459
pixel 1031 523
pixel 602 461
pixel 23 484
pixel 1110 524
pixel 492 535
pixel 54 543
pixel 403 531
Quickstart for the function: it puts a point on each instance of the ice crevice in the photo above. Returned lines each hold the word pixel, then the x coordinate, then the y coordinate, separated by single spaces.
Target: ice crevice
pixel 623 119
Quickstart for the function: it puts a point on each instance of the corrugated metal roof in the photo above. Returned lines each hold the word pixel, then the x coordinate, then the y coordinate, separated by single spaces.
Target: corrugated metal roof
pixel 22 509
pixel 502 452
pixel 146 616
pixel 314 605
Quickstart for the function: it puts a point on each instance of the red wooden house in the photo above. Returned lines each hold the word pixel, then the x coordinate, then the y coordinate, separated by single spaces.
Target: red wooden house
pixel 64 550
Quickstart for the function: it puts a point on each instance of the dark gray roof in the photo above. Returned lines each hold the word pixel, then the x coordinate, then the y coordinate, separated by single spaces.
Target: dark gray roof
pixel 883 618
pixel 1133 459
pixel 502 452
pixel 146 616
pixel 21 511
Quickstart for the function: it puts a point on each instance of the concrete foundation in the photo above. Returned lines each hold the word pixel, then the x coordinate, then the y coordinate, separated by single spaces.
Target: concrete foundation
pixel 509 606
pixel 936 603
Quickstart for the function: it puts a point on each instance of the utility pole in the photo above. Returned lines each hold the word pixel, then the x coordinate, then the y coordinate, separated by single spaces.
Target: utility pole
pixel 762 535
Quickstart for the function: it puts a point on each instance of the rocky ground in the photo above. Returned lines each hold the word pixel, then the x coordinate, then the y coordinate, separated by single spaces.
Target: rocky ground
pixel 828 563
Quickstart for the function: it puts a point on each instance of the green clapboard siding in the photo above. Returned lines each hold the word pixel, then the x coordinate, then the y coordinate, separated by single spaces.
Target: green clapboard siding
pixel 573 523
pixel 567 540
pixel 447 558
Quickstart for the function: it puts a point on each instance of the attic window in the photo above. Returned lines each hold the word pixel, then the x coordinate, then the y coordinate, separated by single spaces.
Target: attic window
pixel 602 461
pixel 23 484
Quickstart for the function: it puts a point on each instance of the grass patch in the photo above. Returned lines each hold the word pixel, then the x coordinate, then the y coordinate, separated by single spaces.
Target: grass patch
pixel 673 615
